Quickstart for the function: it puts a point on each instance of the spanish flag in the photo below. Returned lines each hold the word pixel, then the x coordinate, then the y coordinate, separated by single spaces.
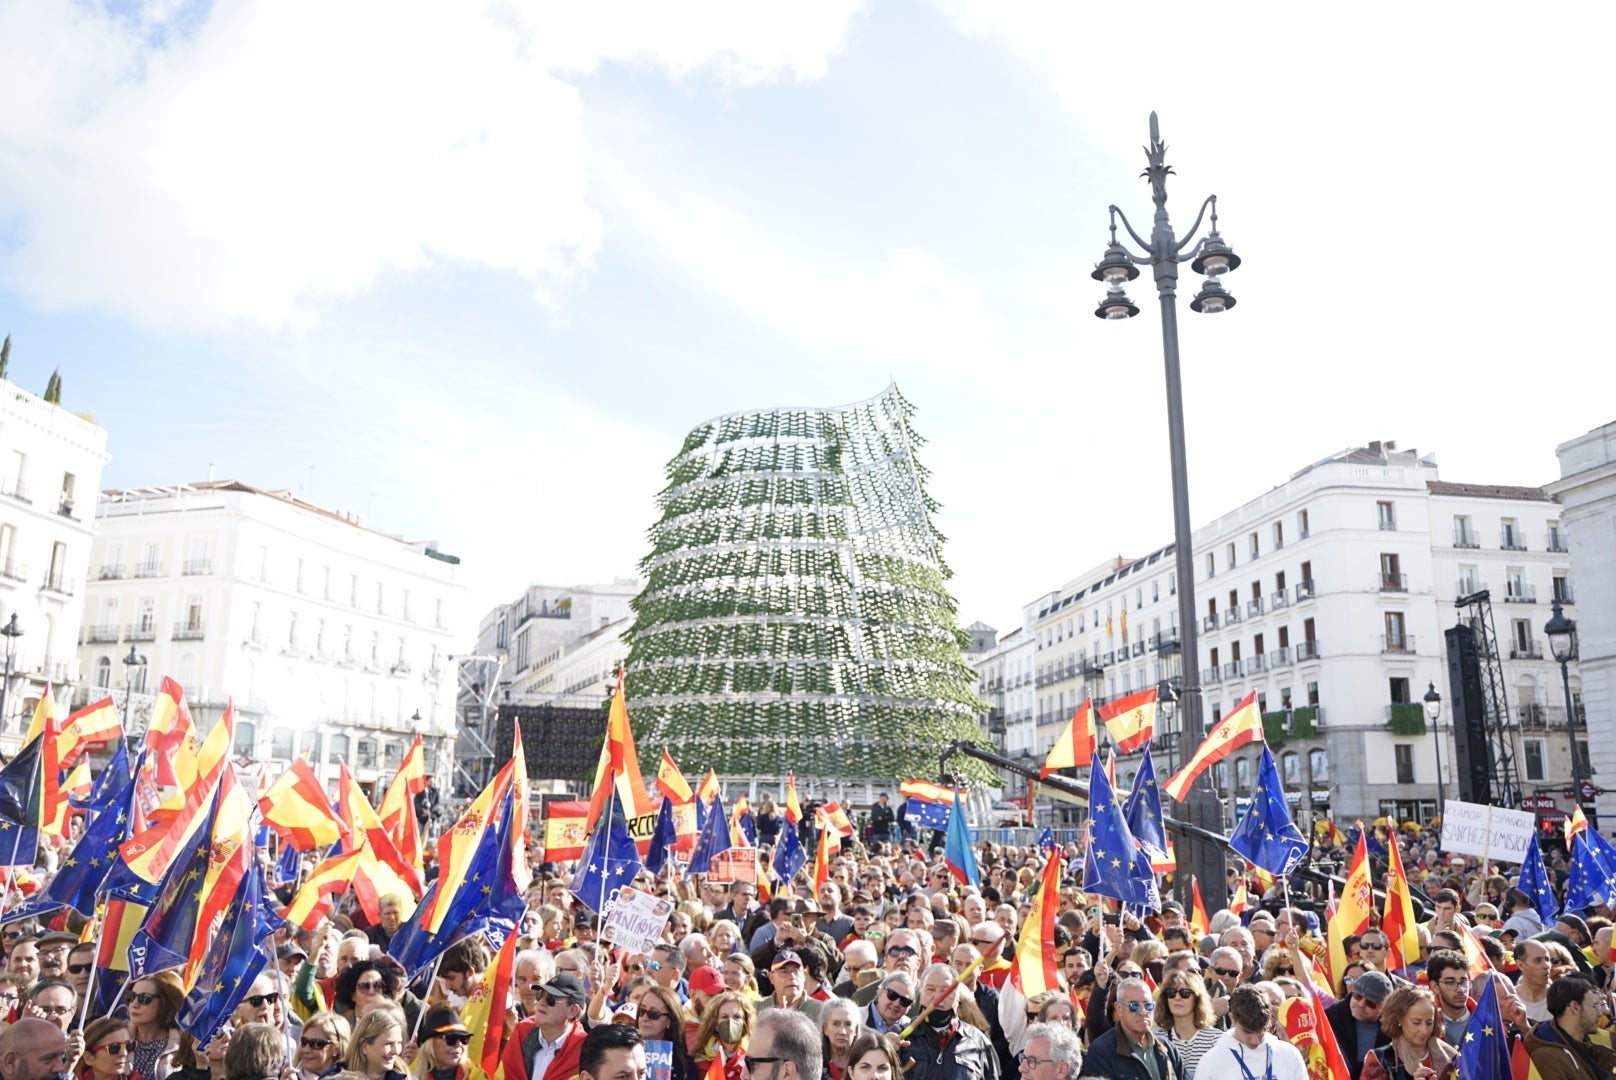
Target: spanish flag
pixel 382 871
pixel 707 790
pixel 836 818
pixel 1035 967
pixel 828 845
pixel 1576 823
pixel 1198 920
pixel 566 828
pixel 92 725
pixel 170 734
pixel 671 782
pixel 397 811
pixel 333 877
pixel 1240 727
pixel 150 851
pixel 1238 902
pixel 1352 914
pixel 1397 921
pixel 297 807
pixel 793 807
pixel 487 1015
pixel 619 760
pixel 1074 748
pixel 457 846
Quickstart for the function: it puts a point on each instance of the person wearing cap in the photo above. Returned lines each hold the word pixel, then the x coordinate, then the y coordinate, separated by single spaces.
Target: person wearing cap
pixel 1356 1019
pixel 545 1045
pixel 290 957
pixel 443 1038
pixel 789 980
pixel 706 983
pixel 53 949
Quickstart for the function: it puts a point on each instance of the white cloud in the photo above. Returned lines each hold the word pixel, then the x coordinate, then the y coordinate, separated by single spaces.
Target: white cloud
pixel 279 156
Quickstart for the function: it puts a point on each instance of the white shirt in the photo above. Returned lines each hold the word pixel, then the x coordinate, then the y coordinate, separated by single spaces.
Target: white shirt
pixel 546 1054
pixel 1219 1063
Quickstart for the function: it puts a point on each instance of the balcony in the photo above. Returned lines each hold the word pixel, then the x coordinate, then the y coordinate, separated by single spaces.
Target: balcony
pixel 1307 650
pixel 58 584
pixel 1556 542
pixel 1210 676
pixel 1305 590
pixel 101 635
pixel 1401 644
pixel 149 569
pixel 1511 540
pixel 1468 587
pixel 1279 658
pixel 1231 616
pixel 1406 718
pixel 1520 593
pixel 1279 599
pixel 1393 582
pixel 1256 664
pixel 1167 641
pixel 1466 538
pixel 256 638
pixel 187 631
pixel 1526 650
pixel 16 489
pixel 1091 665
pixel 14 571
pixel 400 668
pixel 1254 608
pixel 1209 623
pixel 1231 670
pixel 141 632
pixel 1306 720
pixel 111 573
pixel 1563 593
pixel 1139 648
pixel 198 567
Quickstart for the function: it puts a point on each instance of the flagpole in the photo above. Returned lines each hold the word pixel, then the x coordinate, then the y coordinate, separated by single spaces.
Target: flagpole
pixel 605 872
pixel 89 991
pixel 420 1014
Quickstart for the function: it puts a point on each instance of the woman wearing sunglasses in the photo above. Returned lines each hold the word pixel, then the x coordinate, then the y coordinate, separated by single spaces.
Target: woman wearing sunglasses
pixel 444 1039
pixel 154 1002
pixel 322 1046
pixel 1184 1017
pixel 659 1016
pixel 106 1050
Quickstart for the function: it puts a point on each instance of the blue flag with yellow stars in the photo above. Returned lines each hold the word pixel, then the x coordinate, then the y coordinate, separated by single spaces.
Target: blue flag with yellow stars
pixel 1484 1050
pixel 611 860
pixel 1046 842
pixel 87 865
pixel 789 856
pixel 234 958
pixel 1144 811
pixel 1114 864
pixel 663 839
pixel 110 785
pixel 1590 879
pixel 1267 836
pixel 1535 881
pixel 714 837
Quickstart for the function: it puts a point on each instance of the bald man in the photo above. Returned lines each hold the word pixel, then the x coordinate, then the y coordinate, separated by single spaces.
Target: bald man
pixel 32 1049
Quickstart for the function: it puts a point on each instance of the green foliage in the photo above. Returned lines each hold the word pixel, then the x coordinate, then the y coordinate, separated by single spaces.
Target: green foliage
pixel 5 356
pixel 1407 719
pixel 53 388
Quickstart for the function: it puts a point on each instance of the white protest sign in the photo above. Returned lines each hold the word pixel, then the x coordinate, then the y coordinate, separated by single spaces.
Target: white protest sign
pixel 1490 832
pixel 636 920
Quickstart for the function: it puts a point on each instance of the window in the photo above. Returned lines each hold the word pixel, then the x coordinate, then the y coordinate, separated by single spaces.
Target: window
pixel 381 599
pixel 1469 581
pixel 1307 630
pixel 1464 532
pixel 1291 769
pixel 1562 588
pixel 1404 756
pixel 367 754
pixel 1510 538
pixel 1284 637
pixel 1391 573
pixel 1228 554
pixel 1515 584
pixel 353 590
pixel 1386 516
pixel 1155 590
pixel 1256 548
pixel 1138 598
pixel 1534 760
pixel 146 620
pixel 1242 774
pixel 1399 691
pixel 1556 537
pixel 392 754
pixel 1172 584
pixel 297 576
pixel 291 631
pixel 1396 639
pixel 103 672
pixel 325 582
pixel 1318 766
pixel 1234 651
pixel 1313 693
pixel 246 744
pixel 1257 646
pixel 1212 654
pixel 1521 635
pixel 1262 701
pixel 1279 581
pixel 1301 525
pixel 193 612
pixel 58 565
pixel 1220 775
pixel 281 744
pixel 338 749
pixel 1211 570
pixel 1279 535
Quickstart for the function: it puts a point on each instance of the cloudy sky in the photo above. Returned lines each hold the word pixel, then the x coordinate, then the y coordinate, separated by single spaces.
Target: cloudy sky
pixel 473 269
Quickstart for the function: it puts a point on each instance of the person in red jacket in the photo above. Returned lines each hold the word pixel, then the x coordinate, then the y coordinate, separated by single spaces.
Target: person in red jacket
pixel 545 1045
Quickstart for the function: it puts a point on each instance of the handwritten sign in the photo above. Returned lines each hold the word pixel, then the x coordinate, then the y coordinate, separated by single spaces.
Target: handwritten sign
pixel 636 919
pixel 736 864
pixel 1490 832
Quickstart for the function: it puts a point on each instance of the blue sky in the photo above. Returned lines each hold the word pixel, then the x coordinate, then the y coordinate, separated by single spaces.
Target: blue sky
pixel 474 270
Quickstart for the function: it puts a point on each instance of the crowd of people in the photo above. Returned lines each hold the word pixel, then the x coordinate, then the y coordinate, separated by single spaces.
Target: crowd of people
pixel 890 966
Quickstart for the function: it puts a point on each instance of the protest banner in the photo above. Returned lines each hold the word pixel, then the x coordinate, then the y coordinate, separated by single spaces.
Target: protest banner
pixel 1489 832
pixel 736 864
pixel 658 1059
pixel 636 919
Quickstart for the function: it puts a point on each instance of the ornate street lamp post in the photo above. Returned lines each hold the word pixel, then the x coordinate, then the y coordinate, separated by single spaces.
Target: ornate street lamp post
pixel 1561 630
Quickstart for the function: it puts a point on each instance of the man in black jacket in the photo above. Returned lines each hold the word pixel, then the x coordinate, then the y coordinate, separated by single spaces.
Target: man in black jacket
pixel 1117 1055
pixel 883 822
pixel 1356 1020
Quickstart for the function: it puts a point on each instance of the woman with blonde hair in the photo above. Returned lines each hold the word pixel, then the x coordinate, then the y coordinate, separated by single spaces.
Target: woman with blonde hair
pixel 741 974
pixel 724 938
pixel 378 1039
pixel 322 1046
pixel 1184 1017
pixel 725 1025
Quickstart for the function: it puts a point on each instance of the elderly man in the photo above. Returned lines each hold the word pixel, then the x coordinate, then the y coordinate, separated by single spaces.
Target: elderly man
pixel 391 909
pixel 53 949
pixel 889 1009
pixel 32 1049
pixel 1052 1053
pixel 1356 1021
pixel 546 1045
pixel 787 977
pixel 532 968
pixel 860 956
pixel 988 938
pixel 785 1045
pixel 1131 1050
pixel 1241 941
pixel 987 1000
pixel 697 951
pixel 941 1047
pixel 902 954
pixel 1249 1047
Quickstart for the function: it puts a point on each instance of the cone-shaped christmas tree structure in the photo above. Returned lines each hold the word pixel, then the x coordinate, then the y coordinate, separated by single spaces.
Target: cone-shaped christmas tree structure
pixel 795 615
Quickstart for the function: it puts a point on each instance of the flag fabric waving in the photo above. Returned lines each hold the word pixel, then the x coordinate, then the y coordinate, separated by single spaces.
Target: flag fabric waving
pixel 789 856
pixel 957 853
pixel 1074 747
pixel 1242 726
pixel 149 853
pixel 297 807
pixel 1035 967
pixel 1484 1050
pixel 488 1024
pixel 620 761
pixel 826 846
pixel 1353 912
pixel 1144 811
pixel 85 868
pixel 713 839
pixel 93 725
pixel 333 877
pixel 1534 881
pixel 235 955
pixel 1114 864
pixel 378 873
pixel 459 847
pixel 1576 823
pixel 23 800
pixel 1266 835
pixel 610 861
pixel 1131 720
pixel 1198 920
pixel 663 839
pixel 1397 919
pixel 1590 882
pixel 927 804
pixel 793 808
pixel 397 809
pixel 671 782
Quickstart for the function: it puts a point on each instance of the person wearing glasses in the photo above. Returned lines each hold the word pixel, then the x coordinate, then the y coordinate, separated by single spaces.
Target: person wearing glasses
pixel 889 1009
pixel 53 948
pixel 106 1050
pixel 1374 949
pixel 902 953
pixel 1052 1053
pixel 785 1046
pixel 1250 1048
pixel 1408 1020
pixel 1184 1017
pixel 369 984
pixel 263 1005
pixel 322 1046
pixel 545 1046
pixel 444 1039
pixel 659 1017
pixel 154 1001
pixel 1356 1020
pixel 1448 972
pixel 1123 1051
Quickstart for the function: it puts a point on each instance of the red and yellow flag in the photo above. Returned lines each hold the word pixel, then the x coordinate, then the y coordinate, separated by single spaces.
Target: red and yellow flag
pixel 171 735
pixel 149 852
pixel 619 760
pixel 229 855
pixel 1240 727
pixel 671 782
pixel 1238 902
pixel 828 845
pixel 383 870
pixel 1576 823
pixel 298 809
pixel 1035 967
pixel 1397 920
pixel 487 1015
pixel 1074 747
pixel 397 811
pixel 707 790
pixel 458 845
pixel 92 725
pixel 1352 913
pixel 1198 920
pixel 835 818
pixel 333 877
pixel 793 810
pixel 1131 720
pixel 566 830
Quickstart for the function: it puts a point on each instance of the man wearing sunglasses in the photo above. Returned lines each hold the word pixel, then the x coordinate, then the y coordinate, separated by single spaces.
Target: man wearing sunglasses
pixel 545 1046
pixel 902 953
pixel 1356 1021
pixel 889 1009
pixel 1131 1050
pixel 80 961
pixel 444 1038
pixel 263 1005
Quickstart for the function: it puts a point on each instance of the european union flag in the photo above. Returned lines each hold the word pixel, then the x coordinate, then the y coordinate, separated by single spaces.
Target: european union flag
pixel 789 856
pixel 233 960
pixel 610 859
pixel 286 866
pixel 113 780
pixel 1046 842
pixel 713 839
pixel 1590 877
pixel 1484 1050
pixel 1605 855
pixel 164 941
pixel 662 841
pixel 86 867
pixel 1144 812
pixel 1267 836
pixel 957 851
pixel 1114 864
pixel 1535 881
pixel 748 826
pixel 22 796
pixel 927 814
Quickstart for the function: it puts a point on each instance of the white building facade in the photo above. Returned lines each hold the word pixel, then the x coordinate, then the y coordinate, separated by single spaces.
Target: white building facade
pixel 1327 598
pixel 1587 490
pixel 328 636
pixel 50 469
